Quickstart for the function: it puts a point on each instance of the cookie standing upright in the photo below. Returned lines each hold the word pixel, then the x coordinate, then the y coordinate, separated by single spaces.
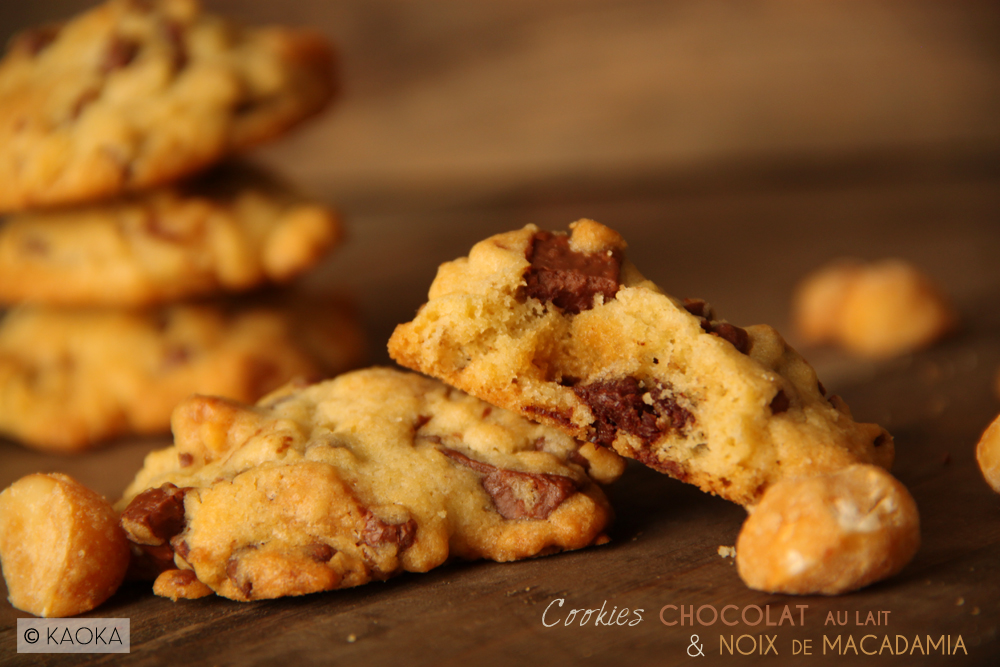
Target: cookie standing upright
pixel 133 94
pixel 357 479
pixel 565 330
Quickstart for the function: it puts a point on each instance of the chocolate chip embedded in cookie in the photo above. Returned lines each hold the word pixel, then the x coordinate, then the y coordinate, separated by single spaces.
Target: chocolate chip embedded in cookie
pixel 229 230
pixel 881 309
pixel 565 330
pixel 134 94
pixel 73 378
pixel 358 478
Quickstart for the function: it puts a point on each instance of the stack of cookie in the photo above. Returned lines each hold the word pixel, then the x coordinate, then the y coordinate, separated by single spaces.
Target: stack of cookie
pixel 126 225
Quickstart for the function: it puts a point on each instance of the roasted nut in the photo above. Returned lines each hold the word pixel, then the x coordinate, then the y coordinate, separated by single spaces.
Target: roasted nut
pixel 63 552
pixel 988 454
pixel 829 534
pixel 876 310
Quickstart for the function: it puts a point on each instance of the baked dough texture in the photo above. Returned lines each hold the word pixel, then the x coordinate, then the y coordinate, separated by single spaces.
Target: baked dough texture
pixel 71 379
pixel 137 93
pixel 356 479
pixel 565 330
pixel 230 230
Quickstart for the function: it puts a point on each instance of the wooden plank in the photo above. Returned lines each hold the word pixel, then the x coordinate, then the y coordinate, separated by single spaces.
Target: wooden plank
pixel 744 251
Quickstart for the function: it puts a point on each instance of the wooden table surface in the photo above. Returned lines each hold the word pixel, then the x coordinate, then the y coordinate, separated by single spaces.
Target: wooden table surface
pixel 737 215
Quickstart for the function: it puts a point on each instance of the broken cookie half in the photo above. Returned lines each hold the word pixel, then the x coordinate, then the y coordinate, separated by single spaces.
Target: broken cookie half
pixel 358 478
pixel 563 329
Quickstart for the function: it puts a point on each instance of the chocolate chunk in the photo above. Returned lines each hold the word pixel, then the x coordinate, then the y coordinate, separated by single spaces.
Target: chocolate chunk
pixel 699 308
pixel 175 36
pixel 244 584
pixel 779 403
pixel 519 495
pixel 569 279
pixel 618 405
pixel 34 41
pixel 155 515
pixel 648 458
pixel 319 552
pixel 735 335
pixel 35 245
pixel 184 577
pixel 180 547
pixel 558 417
pixel 185 459
pixel 83 101
pixel 119 54
pixel 377 532
pixel 175 355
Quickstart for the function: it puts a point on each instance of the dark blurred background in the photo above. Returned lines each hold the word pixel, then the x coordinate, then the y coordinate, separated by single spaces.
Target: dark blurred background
pixel 451 95
pixel 736 145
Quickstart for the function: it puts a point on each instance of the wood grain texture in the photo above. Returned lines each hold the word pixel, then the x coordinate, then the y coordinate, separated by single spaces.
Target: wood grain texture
pixel 735 147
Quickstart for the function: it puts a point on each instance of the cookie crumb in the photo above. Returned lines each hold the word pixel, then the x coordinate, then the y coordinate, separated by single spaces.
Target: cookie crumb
pixel 959 602
pixel 351 638
pixel 727 552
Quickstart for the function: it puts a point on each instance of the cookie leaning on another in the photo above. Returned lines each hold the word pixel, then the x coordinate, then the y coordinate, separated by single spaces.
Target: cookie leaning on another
pixel 137 93
pixel 356 479
pixel 72 378
pixel 564 330
pixel 230 229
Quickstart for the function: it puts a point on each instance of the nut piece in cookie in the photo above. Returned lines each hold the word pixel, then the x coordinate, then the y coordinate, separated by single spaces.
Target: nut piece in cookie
pixel 71 379
pixel 830 534
pixel 354 479
pixel 988 454
pixel 878 310
pixel 130 95
pixel 62 550
pixel 563 329
pixel 230 230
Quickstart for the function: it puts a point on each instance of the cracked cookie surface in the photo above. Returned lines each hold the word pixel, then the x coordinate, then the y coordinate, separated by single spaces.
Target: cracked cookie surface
pixel 136 93
pixel 565 330
pixel 355 479
pixel 72 378
pixel 229 230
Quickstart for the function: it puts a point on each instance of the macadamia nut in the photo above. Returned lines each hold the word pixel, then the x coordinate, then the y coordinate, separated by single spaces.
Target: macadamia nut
pixel 876 310
pixel 829 534
pixel 62 549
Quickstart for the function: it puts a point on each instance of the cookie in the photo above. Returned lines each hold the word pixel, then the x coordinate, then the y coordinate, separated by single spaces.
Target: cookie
pixel 62 549
pixel 137 93
pixel 878 310
pixel 230 230
pixel 565 330
pixel 830 534
pixel 72 378
pixel 355 479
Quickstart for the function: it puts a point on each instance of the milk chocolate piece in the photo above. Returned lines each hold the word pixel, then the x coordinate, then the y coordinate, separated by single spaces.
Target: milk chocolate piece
pixel 566 278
